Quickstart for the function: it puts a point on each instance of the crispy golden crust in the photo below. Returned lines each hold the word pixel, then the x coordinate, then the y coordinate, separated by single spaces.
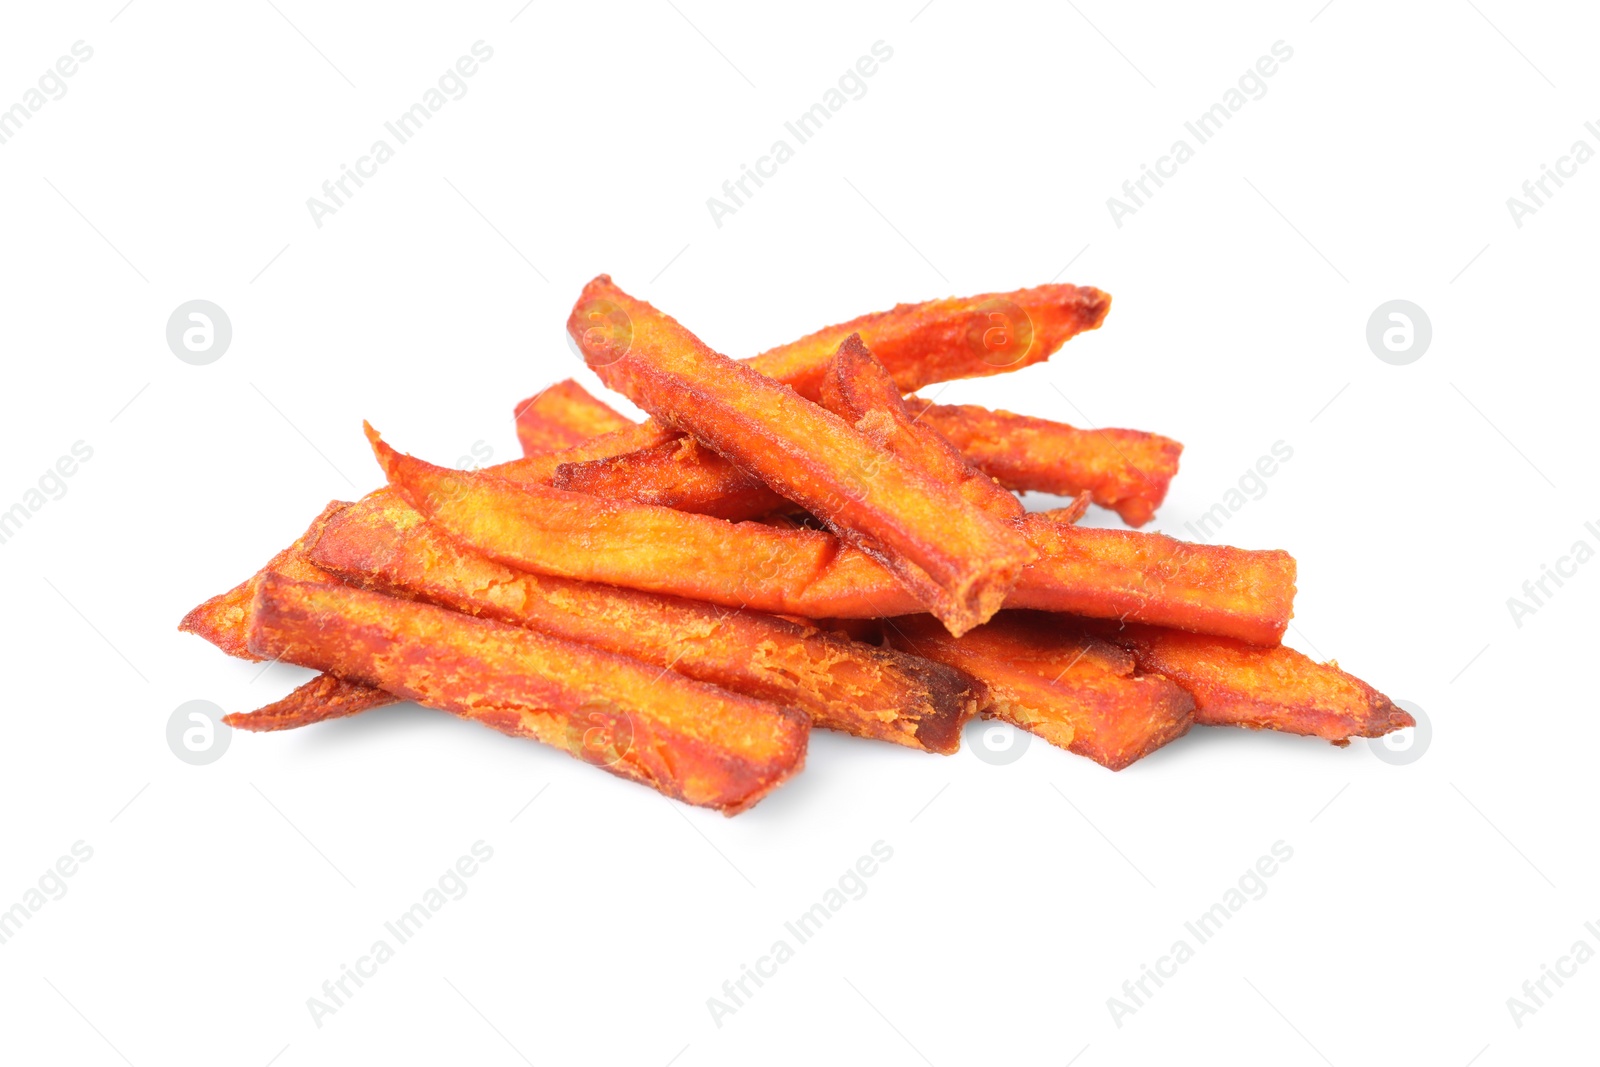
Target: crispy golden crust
pixel 680 474
pixel 1125 470
pixel 323 697
pixel 563 415
pixel 1235 684
pixel 1098 573
pixel 689 740
pixel 941 340
pixel 224 620
pixel 1046 675
pixel 844 685
pixel 859 390
pixel 957 560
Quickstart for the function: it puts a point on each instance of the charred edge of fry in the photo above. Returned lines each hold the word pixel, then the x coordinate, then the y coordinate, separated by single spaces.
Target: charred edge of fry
pixel 859 390
pixel 1277 688
pixel 323 697
pixel 680 474
pixel 690 741
pixel 844 685
pixel 1072 689
pixel 1128 471
pixel 224 620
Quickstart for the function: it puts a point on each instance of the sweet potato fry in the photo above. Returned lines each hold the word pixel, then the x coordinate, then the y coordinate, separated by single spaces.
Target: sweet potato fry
pixel 564 415
pixel 919 344
pixel 1235 684
pixel 859 390
pixel 1246 594
pixel 1125 470
pixel 957 560
pixel 842 684
pixel 224 620
pixel 691 741
pixel 681 474
pixel 323 697
pixel 1049 677
pixel 1097 573
pixel 940 340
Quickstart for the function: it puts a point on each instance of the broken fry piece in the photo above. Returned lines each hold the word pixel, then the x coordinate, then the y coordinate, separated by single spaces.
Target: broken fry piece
pixel 689 740
pixel 859 390
pixel 842 684
pixel 564 415
pixel 954 558
pixel 1277 688
pixel 1051 678
pixel 1125 470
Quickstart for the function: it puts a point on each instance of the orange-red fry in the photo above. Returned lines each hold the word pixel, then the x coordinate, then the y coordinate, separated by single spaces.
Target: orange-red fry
pixel 323 697
pixel 680 474
pixel 859 390
pixel 563 415
pixel 1099 573
pixel 940 340
pixel 691 741
pixel 1125 470
pixel 224 620
pixel 1235 684
pixel 1046 675
pixel 842 684
pixel 957 560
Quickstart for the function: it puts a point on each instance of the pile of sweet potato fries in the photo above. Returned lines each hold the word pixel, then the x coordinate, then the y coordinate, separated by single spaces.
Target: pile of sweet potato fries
pixel 789 541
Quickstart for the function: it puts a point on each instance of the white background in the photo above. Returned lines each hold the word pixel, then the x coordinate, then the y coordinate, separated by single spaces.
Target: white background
pixel 1019 898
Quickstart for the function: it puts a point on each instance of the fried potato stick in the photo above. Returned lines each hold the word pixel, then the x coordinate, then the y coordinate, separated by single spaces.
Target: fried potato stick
pixel 323 697
pixel 859 390
pixel 680 474
pixel 919 344
pixel 1127 471
pixel 957 560
pixel 1235 684
pixel 1049 677
pixel 563 415
pixel 691 741
pixel 842 684
pixel 1098 573
pixel 941 340
pixel 224 619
